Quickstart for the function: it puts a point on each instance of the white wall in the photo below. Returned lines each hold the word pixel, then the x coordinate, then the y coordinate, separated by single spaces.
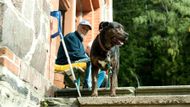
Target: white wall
pixel 25 29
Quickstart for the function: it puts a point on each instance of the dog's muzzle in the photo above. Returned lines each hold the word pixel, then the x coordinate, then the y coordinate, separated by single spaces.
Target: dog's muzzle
pixel 119 40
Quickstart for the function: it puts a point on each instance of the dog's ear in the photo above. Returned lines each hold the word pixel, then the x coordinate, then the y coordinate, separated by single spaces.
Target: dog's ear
pixel 103 25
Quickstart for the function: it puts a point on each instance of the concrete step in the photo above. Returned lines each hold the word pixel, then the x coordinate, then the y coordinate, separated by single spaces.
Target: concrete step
pixel 163 90
pixel 146 96
pixel 123 91
pixel 135 101
pixel 121 101
pixel 72 92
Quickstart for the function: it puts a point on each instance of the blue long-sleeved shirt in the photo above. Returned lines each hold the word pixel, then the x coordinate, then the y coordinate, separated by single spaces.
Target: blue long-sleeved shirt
pixel 75 48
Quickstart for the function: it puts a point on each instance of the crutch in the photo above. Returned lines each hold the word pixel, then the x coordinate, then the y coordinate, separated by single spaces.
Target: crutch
pixel 57 14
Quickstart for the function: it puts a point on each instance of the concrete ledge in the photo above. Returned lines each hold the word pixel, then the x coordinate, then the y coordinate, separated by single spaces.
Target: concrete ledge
pixel 145 96
pixel 123 91
pixel 132 101
pixel 163 90
pixel 72 92
pixel 121 101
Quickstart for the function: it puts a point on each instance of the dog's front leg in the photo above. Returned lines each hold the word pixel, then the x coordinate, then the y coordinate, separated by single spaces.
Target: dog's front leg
pixel 94 80
pixel 113 83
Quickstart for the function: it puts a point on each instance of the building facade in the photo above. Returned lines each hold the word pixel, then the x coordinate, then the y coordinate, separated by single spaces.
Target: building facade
pixel 27 51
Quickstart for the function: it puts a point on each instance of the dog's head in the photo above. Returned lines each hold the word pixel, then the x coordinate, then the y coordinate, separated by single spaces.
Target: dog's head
pixel 113 33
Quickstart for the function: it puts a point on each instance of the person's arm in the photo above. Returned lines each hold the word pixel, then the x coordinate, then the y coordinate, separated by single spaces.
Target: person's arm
pixel 75 48
pixel 88 48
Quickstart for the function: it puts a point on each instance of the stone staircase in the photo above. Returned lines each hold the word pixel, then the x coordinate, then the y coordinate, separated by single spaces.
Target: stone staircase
pixel 145 96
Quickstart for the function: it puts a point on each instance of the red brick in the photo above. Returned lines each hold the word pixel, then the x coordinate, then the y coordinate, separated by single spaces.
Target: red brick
pixel 58 77
pixel 4 61
pixel 51 69
pixel 6 52
pixel 59 84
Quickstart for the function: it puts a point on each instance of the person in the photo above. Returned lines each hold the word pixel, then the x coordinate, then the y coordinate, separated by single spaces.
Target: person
pixel 75 48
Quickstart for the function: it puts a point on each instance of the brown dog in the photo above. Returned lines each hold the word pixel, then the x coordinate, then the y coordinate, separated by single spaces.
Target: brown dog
pixel 104 52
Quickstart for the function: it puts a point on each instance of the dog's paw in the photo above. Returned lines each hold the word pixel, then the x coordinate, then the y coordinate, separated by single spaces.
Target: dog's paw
pixel 94 95
pixel 113 94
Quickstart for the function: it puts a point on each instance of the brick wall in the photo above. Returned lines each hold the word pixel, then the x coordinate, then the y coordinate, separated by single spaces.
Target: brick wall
pixel 22 70
pixel 21 83
pixel 28 51
pixel 92 10
pixel 10 60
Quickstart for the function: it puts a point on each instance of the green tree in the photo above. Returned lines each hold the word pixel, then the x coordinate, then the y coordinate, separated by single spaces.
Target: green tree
pixel 157 52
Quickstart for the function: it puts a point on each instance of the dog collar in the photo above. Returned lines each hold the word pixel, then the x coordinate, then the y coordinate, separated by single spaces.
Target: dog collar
pixel 100 43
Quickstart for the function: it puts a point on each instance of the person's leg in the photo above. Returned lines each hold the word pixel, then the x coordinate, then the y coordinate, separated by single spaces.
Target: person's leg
pixel 101 76
pixel 88 78
pixel 105 82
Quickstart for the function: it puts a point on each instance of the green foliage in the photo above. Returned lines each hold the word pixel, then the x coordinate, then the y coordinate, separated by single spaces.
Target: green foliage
pixel 157 51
